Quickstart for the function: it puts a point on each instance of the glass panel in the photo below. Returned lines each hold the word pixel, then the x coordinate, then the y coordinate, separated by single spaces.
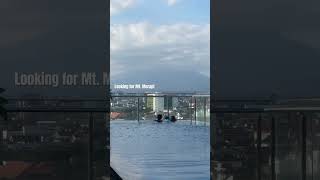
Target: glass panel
pixel 313 146
pixel 266 140
pixel 45 145
pixel 203 109
pixel 182 108
pixel 101 153
pixel 125 108
pixel 235 152
pixel 288 146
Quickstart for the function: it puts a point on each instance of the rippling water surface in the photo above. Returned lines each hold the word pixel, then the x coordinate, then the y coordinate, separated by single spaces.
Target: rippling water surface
pixel 160 151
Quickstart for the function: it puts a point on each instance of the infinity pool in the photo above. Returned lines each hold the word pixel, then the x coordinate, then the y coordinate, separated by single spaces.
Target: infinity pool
pixel 160 151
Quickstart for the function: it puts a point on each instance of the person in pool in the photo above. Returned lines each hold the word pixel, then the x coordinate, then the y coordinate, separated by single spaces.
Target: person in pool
pixel 159 118
pixel 173 119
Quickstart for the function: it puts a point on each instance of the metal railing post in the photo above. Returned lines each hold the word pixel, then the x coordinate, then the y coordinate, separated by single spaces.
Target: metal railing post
pixel 195 110
pixel 259 147
pixel 312 145
pixel 138 110
pixel 273 148
pixel 304 148
pixel 205 111
pixel 190 111
pixel 90 147
pixel 168 114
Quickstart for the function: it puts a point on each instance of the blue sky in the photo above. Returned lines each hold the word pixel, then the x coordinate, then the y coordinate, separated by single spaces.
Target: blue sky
pixel 150 37
pixel 160 12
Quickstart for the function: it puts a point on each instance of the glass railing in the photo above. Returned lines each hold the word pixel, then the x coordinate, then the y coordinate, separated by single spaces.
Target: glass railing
pixel 247 143
pixel 65 134
pixel 266 144
pixel 193 108
pixel 60 138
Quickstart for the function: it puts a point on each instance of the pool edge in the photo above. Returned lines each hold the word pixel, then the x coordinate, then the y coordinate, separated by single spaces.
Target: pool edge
pixel 114 175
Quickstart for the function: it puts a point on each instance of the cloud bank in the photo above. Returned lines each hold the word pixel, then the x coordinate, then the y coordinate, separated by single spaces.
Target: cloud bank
pixel 144 46
pixel 173 56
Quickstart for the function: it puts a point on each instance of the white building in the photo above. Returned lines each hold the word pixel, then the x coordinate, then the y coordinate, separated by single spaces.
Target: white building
pixel 157 102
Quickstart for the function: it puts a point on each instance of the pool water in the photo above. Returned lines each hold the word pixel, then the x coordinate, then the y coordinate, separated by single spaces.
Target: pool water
pixel 160 151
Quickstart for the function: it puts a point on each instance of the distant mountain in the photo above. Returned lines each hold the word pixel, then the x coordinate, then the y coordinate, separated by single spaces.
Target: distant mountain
pixel 257 63
pixel 165 80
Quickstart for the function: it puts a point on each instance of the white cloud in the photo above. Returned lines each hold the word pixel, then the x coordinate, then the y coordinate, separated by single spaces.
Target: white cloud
pixel 116 6
pixel 172 2
pixel 144 46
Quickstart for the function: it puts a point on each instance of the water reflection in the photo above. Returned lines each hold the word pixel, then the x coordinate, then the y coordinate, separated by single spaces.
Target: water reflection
pixel 156 151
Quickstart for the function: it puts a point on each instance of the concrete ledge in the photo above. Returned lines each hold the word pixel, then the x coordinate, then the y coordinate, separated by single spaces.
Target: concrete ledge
pixel 114 175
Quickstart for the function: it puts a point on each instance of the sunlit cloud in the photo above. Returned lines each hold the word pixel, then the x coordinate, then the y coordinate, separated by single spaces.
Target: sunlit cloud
pixel 117 6
pixel 172 2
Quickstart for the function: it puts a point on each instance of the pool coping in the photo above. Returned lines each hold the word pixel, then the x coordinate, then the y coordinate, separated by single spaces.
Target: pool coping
pixel 114 175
